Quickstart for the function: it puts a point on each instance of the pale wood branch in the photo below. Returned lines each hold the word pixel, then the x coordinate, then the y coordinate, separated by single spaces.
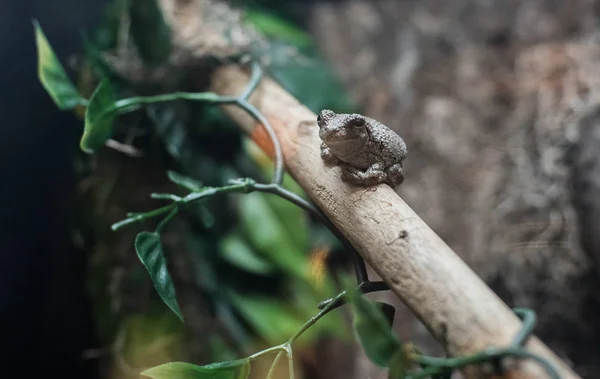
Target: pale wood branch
pixel 456 305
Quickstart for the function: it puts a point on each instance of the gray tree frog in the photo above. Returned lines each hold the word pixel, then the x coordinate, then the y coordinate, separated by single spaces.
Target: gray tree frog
pixel 368 152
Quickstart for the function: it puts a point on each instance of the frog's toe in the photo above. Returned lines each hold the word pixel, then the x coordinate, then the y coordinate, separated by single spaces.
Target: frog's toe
pixel 363 178
pixel 376 178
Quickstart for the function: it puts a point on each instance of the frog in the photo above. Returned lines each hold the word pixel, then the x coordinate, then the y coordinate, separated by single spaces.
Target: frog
pixel 368 152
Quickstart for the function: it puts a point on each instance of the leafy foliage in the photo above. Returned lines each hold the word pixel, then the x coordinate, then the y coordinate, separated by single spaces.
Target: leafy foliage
pixel 373 330
pixel 185 181
pixel 150 252
pixel 302 72
pixel 239 369
pixel 236 251
pixel 302 80
pixel 99 118
pixel 398 365
pixel 150 337
pixel 149 31
pixel 274 321
pixel 52 74
pixel 267 234
pixel 273 26
pixel 278 247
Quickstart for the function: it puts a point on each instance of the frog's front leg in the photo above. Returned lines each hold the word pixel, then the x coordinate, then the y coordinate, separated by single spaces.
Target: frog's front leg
pixel 373 175
pixel 327 155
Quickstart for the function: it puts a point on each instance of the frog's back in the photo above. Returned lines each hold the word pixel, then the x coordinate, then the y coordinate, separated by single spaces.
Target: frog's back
pixel 388 142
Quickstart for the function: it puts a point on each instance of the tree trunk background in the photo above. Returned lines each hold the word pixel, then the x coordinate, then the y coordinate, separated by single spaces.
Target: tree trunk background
pixel 497 102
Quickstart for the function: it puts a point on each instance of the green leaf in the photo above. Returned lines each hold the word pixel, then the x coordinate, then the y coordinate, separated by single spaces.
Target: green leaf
pixel 373 330
pixel 169 120
pixel 185 181
pixel 219 349
pixel 99 118
pixel 52 75
pixel 205 215
pixel 398 365
pixel 150 252
pixel 149 335
pixel 269 236
pixel 235 251
pixel 149 31
pixel 388 310
pixel 277 27
pixel 94 55
pixel 301 80
pixel 291 217
pixel 238 369
pixel 274 321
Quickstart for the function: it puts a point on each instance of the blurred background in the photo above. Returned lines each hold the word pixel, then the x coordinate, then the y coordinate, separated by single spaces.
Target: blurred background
pixel 496 100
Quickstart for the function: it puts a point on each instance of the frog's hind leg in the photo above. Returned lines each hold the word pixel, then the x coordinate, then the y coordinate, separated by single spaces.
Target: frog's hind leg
pixel 395 175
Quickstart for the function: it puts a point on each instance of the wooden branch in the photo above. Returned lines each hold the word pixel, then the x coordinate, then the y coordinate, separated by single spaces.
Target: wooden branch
pixel 455 304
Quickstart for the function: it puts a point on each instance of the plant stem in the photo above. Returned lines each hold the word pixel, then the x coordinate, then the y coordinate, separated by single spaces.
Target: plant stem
pixel 166 220
pixel 529 320
pixel 364 288
pixel 142 216
pixel 267 351
pixel 124 105
pixel 240 186
pixel 288 350
pixel 439 365
pixel 278 161
pixel 255 77
pixel 288 195
pixel 274 364
pixel 315 318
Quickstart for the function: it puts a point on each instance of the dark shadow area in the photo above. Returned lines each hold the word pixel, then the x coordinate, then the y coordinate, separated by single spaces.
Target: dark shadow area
pixel 43 301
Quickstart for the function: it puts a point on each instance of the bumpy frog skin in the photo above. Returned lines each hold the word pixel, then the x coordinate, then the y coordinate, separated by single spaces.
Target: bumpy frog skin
pixel 368 152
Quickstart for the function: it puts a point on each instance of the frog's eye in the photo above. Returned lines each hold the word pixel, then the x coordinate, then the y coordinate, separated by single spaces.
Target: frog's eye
pixel 358 122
